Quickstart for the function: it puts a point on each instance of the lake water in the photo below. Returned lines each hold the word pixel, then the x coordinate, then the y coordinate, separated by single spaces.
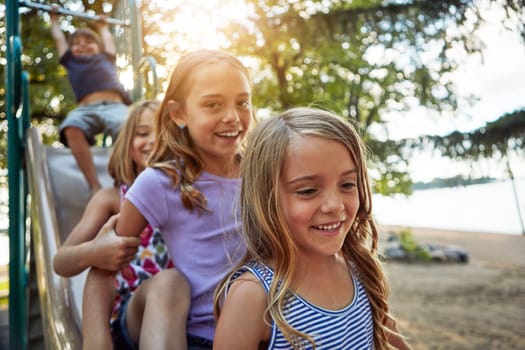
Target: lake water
pixel 488 207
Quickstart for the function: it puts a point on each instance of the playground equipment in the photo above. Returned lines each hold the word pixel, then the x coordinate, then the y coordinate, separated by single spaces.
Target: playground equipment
pixel 45 192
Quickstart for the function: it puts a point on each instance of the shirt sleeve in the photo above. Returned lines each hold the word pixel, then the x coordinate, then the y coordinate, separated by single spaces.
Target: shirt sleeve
pixel 148 195
pixel 65 58
pixel 111 58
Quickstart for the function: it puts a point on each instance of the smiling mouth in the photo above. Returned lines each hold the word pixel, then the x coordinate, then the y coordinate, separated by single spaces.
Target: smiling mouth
pixel 329 227
pixel 229 134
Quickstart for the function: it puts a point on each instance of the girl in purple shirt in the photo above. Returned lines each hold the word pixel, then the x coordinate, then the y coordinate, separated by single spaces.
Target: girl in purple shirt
pixel 190 189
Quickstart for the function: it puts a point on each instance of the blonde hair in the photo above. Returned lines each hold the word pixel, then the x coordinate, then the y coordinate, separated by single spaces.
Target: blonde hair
pixel 121 166
pixel 173 150
pixel 264 227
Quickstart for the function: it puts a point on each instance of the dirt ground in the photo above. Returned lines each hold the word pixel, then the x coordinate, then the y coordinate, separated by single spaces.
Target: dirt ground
pixel 478 305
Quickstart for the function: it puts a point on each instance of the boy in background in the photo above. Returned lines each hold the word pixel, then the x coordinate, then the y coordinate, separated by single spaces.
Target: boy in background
pixel 101 99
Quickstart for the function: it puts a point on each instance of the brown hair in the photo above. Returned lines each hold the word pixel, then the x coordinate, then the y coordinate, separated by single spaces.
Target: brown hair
pixel 173 150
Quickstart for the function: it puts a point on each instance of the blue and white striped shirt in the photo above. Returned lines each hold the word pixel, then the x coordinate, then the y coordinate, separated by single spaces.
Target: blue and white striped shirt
pixel 348 328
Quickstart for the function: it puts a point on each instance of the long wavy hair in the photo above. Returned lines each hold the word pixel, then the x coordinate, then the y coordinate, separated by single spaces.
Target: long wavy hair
pixel 174 151
pixel 121 167
pixel 267 236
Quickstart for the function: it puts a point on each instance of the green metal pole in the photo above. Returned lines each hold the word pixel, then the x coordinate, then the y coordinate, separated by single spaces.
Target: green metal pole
pixel 17 280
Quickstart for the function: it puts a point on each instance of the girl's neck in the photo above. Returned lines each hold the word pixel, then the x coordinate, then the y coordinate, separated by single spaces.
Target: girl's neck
pixel 326 282
pixel 309 266
pixel 226 169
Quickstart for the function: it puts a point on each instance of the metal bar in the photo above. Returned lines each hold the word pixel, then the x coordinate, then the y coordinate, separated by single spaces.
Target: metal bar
pixel 148 63
pixel 63 11
pixel 136 47
pixel 17 295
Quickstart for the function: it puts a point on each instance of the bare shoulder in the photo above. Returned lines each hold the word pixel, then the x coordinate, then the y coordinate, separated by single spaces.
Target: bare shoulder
pixel 247 290
pixel 247 281
pixel 241 324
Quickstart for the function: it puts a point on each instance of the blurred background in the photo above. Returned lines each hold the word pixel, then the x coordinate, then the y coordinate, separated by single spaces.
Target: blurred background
pixel 436 88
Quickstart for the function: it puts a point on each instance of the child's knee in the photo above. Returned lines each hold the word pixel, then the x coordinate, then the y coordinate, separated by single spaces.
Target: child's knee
pixel 173 281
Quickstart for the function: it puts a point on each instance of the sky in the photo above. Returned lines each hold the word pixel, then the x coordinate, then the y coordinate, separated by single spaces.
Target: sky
pixel 498 82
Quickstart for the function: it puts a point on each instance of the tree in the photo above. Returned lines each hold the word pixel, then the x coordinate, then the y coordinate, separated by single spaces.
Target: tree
pixel 494 139
pixel 50 93
pixel 362 58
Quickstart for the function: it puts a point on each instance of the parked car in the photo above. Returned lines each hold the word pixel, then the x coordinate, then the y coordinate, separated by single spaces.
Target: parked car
pixel 450 253
pixel 393 249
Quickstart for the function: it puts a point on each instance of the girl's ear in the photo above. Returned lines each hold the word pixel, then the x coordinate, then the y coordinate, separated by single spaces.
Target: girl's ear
pixel 176 113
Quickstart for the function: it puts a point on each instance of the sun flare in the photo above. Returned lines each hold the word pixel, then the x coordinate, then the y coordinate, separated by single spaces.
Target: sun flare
pixel 199 22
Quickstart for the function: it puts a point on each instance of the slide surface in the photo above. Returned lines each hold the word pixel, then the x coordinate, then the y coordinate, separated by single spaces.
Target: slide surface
pixel 58 195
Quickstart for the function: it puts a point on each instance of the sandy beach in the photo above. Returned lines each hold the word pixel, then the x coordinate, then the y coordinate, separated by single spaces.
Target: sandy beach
pixel 478 305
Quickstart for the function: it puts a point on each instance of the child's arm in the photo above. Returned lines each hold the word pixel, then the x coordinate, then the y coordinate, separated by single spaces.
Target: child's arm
pixel 97 304
pixel 106 36
pixel 131 221
pixel 84 247
pixel 241 321
pixel 57 34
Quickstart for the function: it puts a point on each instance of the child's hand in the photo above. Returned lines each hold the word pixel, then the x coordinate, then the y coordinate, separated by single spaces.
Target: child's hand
pixel 53 14
pixel 101 23
pixel 113 252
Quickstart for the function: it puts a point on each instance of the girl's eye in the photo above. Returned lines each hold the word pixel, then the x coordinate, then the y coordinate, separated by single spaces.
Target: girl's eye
pixel 305 192
pixel 348 186
pixel 244 104
pixel 213 105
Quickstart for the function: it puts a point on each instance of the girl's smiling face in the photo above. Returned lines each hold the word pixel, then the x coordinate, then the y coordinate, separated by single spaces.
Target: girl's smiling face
pixel 318 194
pixel 217 113
pixel 143 139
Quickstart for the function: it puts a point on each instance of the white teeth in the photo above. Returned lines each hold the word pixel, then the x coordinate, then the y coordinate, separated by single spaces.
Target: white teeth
pixel 328 227
pixel 229 134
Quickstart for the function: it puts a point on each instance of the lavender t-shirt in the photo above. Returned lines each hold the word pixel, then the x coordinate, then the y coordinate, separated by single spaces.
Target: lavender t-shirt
pixel 203 245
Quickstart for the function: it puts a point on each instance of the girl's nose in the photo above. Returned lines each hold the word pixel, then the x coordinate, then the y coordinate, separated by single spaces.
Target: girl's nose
pixel 231 115
pixel 332 202
pixel 151 138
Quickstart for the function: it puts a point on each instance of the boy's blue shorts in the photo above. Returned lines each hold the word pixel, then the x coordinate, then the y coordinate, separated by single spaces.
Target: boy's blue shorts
pixel 94 119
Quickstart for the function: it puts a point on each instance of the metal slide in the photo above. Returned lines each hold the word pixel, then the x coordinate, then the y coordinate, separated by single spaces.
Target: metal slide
pixel 58 195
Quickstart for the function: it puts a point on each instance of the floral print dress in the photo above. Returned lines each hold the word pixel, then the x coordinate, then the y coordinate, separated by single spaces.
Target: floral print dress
pixel 152 256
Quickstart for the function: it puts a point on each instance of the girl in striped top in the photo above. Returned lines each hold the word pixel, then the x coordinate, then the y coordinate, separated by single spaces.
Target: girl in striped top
pixel 311 278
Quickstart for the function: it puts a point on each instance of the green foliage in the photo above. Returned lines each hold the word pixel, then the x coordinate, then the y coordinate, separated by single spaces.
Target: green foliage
pixel 321 51
pixel 411 247
pixel 492 140
pixel 359 58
